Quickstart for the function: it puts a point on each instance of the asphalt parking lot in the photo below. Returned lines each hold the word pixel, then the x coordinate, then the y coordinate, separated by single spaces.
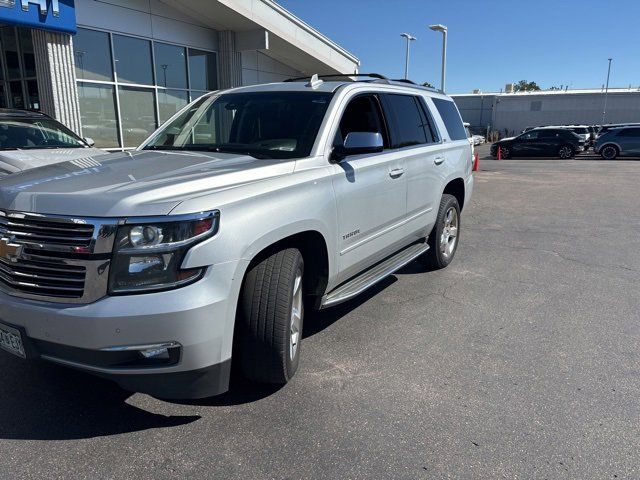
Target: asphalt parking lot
pixel 520 360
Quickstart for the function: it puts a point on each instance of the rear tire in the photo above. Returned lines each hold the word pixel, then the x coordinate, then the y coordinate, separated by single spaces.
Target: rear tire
pixel 504 152
pixel 566 152
pixel 609 152
pixel 445 236
pixel 270 318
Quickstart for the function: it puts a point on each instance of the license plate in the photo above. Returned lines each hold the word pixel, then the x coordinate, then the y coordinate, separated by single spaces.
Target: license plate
pixel 11 340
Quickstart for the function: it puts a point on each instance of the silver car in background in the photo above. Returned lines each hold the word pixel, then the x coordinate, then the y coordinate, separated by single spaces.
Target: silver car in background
pixel 31 139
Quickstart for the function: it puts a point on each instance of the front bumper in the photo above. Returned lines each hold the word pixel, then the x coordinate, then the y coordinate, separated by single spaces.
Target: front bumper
pixel 199 318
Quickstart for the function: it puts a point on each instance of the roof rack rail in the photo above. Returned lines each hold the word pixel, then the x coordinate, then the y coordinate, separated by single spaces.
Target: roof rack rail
pixel 338 75
pixel 404 80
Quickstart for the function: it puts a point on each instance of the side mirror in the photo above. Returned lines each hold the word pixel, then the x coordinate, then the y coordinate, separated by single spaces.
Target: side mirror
pixel 89 141
pixel 358 143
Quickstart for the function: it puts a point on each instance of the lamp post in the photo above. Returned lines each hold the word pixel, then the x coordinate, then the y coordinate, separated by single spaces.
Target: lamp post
pixel 606 93
pixel 442 29
pixel 410 38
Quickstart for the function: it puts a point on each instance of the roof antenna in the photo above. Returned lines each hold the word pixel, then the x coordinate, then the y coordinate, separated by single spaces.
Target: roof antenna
pixel 315 82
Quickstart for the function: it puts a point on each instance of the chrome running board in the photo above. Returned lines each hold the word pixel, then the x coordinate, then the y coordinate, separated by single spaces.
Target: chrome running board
pixel 370 277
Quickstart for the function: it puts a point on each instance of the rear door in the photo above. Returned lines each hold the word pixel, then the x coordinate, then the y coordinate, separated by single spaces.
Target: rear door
pixel 629 139
pixel 414 137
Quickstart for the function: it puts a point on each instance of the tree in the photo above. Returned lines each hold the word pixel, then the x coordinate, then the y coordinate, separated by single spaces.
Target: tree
pixel 524 86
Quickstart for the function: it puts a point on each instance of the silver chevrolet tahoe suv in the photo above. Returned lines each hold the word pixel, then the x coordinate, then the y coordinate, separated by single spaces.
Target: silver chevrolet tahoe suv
pixel 251 206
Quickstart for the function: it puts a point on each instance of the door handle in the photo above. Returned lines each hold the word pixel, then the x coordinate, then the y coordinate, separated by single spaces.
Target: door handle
pixel 396 172
pixel 438 160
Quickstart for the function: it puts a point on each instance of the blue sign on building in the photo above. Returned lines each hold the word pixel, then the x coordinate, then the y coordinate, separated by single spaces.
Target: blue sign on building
pixel 55 15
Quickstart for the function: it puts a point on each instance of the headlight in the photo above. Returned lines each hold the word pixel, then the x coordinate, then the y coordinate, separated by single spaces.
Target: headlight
pixel 148 253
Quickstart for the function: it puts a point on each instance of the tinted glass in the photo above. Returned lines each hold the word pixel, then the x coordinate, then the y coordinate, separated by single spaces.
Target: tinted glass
pixel 171 66
pixel 262 124
pixel 451 118
pixel 427 120
pixel 203 70
pixel 547 134
pixel 629 132
pixel 36 133
pixel 92 54
pixel 98 114
pixel 10 47
pixel 170 101
pixel 407 122
pixel 133 60
pixel 532 135
pixel 33 96
pixel 16 97
pixel 362 114
pixel 28 57
pixel 138 115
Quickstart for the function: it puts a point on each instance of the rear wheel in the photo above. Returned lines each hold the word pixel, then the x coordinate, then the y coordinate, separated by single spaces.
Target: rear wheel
pixel 443 241
pixel 609 152
pixel 504 152
pixel 270 318
pixel 566 152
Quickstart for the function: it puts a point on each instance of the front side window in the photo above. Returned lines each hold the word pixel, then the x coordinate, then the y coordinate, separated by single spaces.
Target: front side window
pixel 261 124
pixel 529 135
pixel 362 114
pixel 451 118
pixel 28 133
pixel 408 128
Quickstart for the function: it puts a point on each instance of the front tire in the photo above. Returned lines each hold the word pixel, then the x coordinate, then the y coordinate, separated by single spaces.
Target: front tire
pixel 504 152
pixel 566 152
pixel 443 241
pixel 270 318
pixel 609 152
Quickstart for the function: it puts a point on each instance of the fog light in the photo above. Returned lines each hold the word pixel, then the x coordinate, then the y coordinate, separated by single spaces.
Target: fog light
pixel 159 353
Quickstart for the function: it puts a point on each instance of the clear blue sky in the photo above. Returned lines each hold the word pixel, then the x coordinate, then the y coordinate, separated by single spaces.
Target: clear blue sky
pixel 491 42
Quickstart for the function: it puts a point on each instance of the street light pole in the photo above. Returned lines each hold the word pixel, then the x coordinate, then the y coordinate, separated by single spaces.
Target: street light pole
pixel 410 38
pixel 606 92
pixel 443 30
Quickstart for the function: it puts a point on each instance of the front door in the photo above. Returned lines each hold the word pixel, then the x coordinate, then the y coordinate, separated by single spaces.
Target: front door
pixel 371 192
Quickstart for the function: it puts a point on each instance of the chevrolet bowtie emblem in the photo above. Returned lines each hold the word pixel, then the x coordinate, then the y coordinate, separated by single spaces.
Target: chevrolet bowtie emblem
pixel 10 251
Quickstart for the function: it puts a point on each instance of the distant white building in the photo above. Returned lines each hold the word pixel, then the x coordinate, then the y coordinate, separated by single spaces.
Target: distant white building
pixel 515 111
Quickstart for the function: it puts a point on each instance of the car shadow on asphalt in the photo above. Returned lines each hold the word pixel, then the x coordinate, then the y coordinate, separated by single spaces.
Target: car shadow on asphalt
pixel 40 401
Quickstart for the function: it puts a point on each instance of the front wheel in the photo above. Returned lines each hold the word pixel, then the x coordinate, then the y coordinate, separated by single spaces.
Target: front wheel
pixel 443 241
pixel 270 318
pixel 565 152
pixel 504 152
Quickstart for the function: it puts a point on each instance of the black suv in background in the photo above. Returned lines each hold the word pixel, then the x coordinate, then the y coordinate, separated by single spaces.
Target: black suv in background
pixel 540 142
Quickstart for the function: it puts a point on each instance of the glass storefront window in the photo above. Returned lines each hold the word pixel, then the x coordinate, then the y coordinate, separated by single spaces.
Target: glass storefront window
pixel 98 114
pixel 92 54
pixel 171 66
pixel 169 102
pixel 10 47
pixel 33 95
pixel 133 60
pixel 15 94
pixel 28 56
pixel 137 114
pixel 203 70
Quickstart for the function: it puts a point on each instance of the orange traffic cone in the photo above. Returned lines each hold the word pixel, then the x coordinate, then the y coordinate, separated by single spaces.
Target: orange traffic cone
pixel 476 162
pixel 499 157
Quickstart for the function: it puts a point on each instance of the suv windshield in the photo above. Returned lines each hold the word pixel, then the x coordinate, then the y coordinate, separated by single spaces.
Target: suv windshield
pixel 32 133
pixel 260 124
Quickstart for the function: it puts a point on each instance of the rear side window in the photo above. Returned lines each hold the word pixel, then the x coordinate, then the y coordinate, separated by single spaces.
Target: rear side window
pixel 451 118
pixel 629 132
pixel 407 123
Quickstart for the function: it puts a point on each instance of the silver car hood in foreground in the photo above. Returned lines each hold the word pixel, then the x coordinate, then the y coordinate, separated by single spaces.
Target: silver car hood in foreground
pixel 13 161
pixel 131 183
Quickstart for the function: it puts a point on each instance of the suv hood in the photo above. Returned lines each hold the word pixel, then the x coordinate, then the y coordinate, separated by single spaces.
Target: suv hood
pixel 138 183
pixel 13 161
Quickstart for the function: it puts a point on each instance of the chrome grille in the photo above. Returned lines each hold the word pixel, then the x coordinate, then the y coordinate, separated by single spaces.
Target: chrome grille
pixel 54 258
pixel 44 277
pixel 36 230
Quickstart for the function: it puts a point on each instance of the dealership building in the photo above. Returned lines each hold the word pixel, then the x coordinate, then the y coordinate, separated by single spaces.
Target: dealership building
pixel 511 112
pixel 113 70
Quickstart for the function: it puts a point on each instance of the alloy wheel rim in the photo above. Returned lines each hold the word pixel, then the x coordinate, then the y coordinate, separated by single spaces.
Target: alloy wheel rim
pixel 565 152
pixel 608 152
pixel 449 236
pixel 295 326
